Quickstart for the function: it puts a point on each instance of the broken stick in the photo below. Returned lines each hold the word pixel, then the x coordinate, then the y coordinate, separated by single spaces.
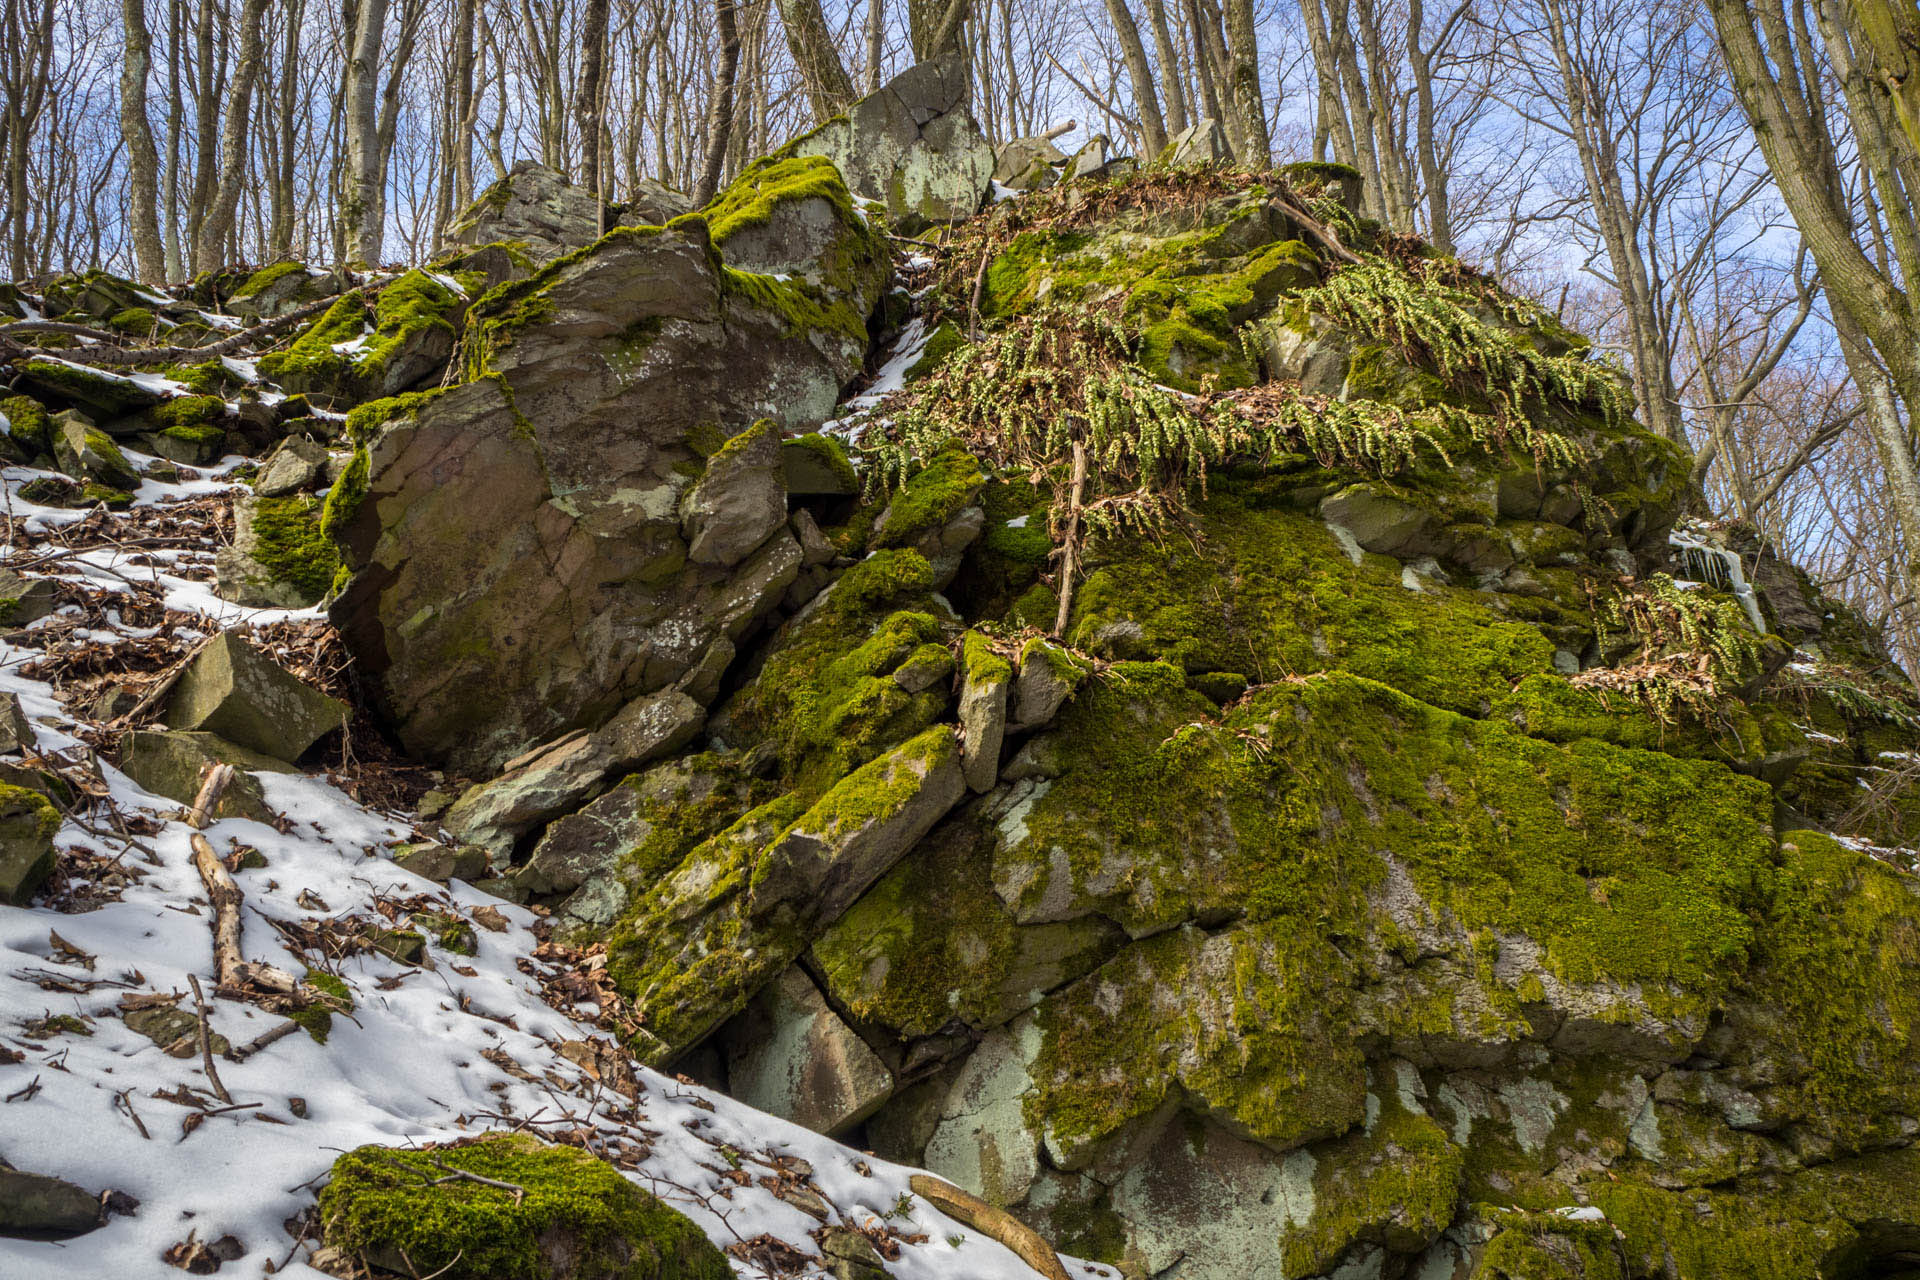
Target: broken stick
pixel 996 1224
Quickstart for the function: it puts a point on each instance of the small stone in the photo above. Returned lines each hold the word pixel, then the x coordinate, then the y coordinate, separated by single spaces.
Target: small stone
pixel 232 689
pixel 433 804
pixel 816 466
pixel 435 861
pixel 34 1206
pixel 298 1106
pixel 1047 679
pixel 738 501
pixel 405 945
pixel 87 453
pixel 814 547
pixel 175 1030
pixel 298 464
pixel 24 599
pixel 983 711
pixel 16 733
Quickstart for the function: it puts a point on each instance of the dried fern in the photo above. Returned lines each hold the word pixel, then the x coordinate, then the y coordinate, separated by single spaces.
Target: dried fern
pixel 1415 309
pixel 1689 646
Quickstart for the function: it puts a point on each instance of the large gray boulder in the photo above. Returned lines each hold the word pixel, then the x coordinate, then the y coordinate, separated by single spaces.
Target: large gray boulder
pixel 912 146
pixel 536 209
pixel 522 533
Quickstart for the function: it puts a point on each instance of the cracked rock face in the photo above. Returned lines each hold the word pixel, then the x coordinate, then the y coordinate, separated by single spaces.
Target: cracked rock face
pixel 568 529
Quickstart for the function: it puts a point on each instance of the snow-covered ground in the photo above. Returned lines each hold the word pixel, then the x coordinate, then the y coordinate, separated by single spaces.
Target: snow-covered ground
pixel 456 1046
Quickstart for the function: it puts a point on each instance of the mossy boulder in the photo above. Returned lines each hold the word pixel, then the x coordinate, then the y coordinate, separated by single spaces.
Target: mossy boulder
pixel 27 823
pixel 380 340
pixel 575 1217
pixel 281 556
pixel 551 489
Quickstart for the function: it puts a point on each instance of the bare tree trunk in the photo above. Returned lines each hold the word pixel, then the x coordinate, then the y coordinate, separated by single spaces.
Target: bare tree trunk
pixel 1426 145
pixel 456 129
pixel 176 267
pixel 720 105
pixel 206 133
pixel 143 162
pixel 586 101
pixel 1153 129
pixel 1170 80
pixel 217 227
pixel 361 194
pixel 876 33
pixel 287 128
pixel 1243 83
pixel 829 88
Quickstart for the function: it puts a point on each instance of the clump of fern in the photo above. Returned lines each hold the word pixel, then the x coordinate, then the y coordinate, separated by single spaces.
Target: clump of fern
pixel 1426 318
pixel 1024 396
pixel 1687 647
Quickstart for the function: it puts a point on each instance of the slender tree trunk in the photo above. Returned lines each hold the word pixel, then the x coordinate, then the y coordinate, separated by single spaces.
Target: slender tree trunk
pixel 1153 129
pixel 586 101
pixel 216 229
pixel 1432 174
pixel 720 105
pixel 1171 86
pixel 360 196
pixel 176 267
pixel 1243 81
pixel 876 35
pixel 829 89
pixel 143 161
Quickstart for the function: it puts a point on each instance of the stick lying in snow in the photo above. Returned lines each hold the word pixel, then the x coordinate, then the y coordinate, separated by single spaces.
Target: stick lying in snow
pixel 232 973
pixel 994 1223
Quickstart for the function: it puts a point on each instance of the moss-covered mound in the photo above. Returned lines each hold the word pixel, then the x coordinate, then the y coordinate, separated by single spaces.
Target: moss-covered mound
pixel 561 1215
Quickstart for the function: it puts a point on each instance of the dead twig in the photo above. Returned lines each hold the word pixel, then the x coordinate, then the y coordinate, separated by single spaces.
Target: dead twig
pixel 997 1224
pixel 206 1040
pixel 261 1041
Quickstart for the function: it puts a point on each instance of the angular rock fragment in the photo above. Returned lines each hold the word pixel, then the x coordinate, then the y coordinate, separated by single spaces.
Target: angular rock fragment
pixel 27 824
pixel 173 763
pixel 231 689
pixel 790 1055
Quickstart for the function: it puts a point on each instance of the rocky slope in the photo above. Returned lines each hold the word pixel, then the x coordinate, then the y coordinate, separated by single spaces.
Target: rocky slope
pixel 1229 747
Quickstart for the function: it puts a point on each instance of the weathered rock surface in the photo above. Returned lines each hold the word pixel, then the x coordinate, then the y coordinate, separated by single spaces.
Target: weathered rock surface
pixel 231 689
pixel 535 209
pixel 24 599
pixel 37 1207
pixel 790 1055
pixel 559 777
pixel 171 762
pixel 912 146
pixel 522 532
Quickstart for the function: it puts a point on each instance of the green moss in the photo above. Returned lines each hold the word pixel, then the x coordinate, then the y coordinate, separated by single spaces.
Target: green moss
pixel 825 697
pixel 346 495
pixel 385 1204
pixel 316 1019
pixel 832 455
pixel 803 308
pixel 137 322
pixel 941 343
pixel 981 663
pixel 766 185
pixel 1546 1246
pixel 384 323
pixel 265 278
pixel 1393 1185
pixel 28 423
pixel 100 395
pixel 1186 294
pixel 1269 594
pixel 93 493
pixel 196 418
pixel 290 544
pixel 1834 1220
pixel 367 419
pixel 939 491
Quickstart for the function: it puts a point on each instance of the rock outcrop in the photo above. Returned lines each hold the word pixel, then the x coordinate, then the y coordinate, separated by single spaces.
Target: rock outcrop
pixel 912 146
pixel 543 530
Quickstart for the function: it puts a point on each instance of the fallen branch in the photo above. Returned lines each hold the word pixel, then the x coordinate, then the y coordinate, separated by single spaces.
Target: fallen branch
pixel 233 974
pixel 117 356
pixel 264 1039
pixel 212 784
pixel 996 1224
pixel 206 1040
pixel 1317 229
